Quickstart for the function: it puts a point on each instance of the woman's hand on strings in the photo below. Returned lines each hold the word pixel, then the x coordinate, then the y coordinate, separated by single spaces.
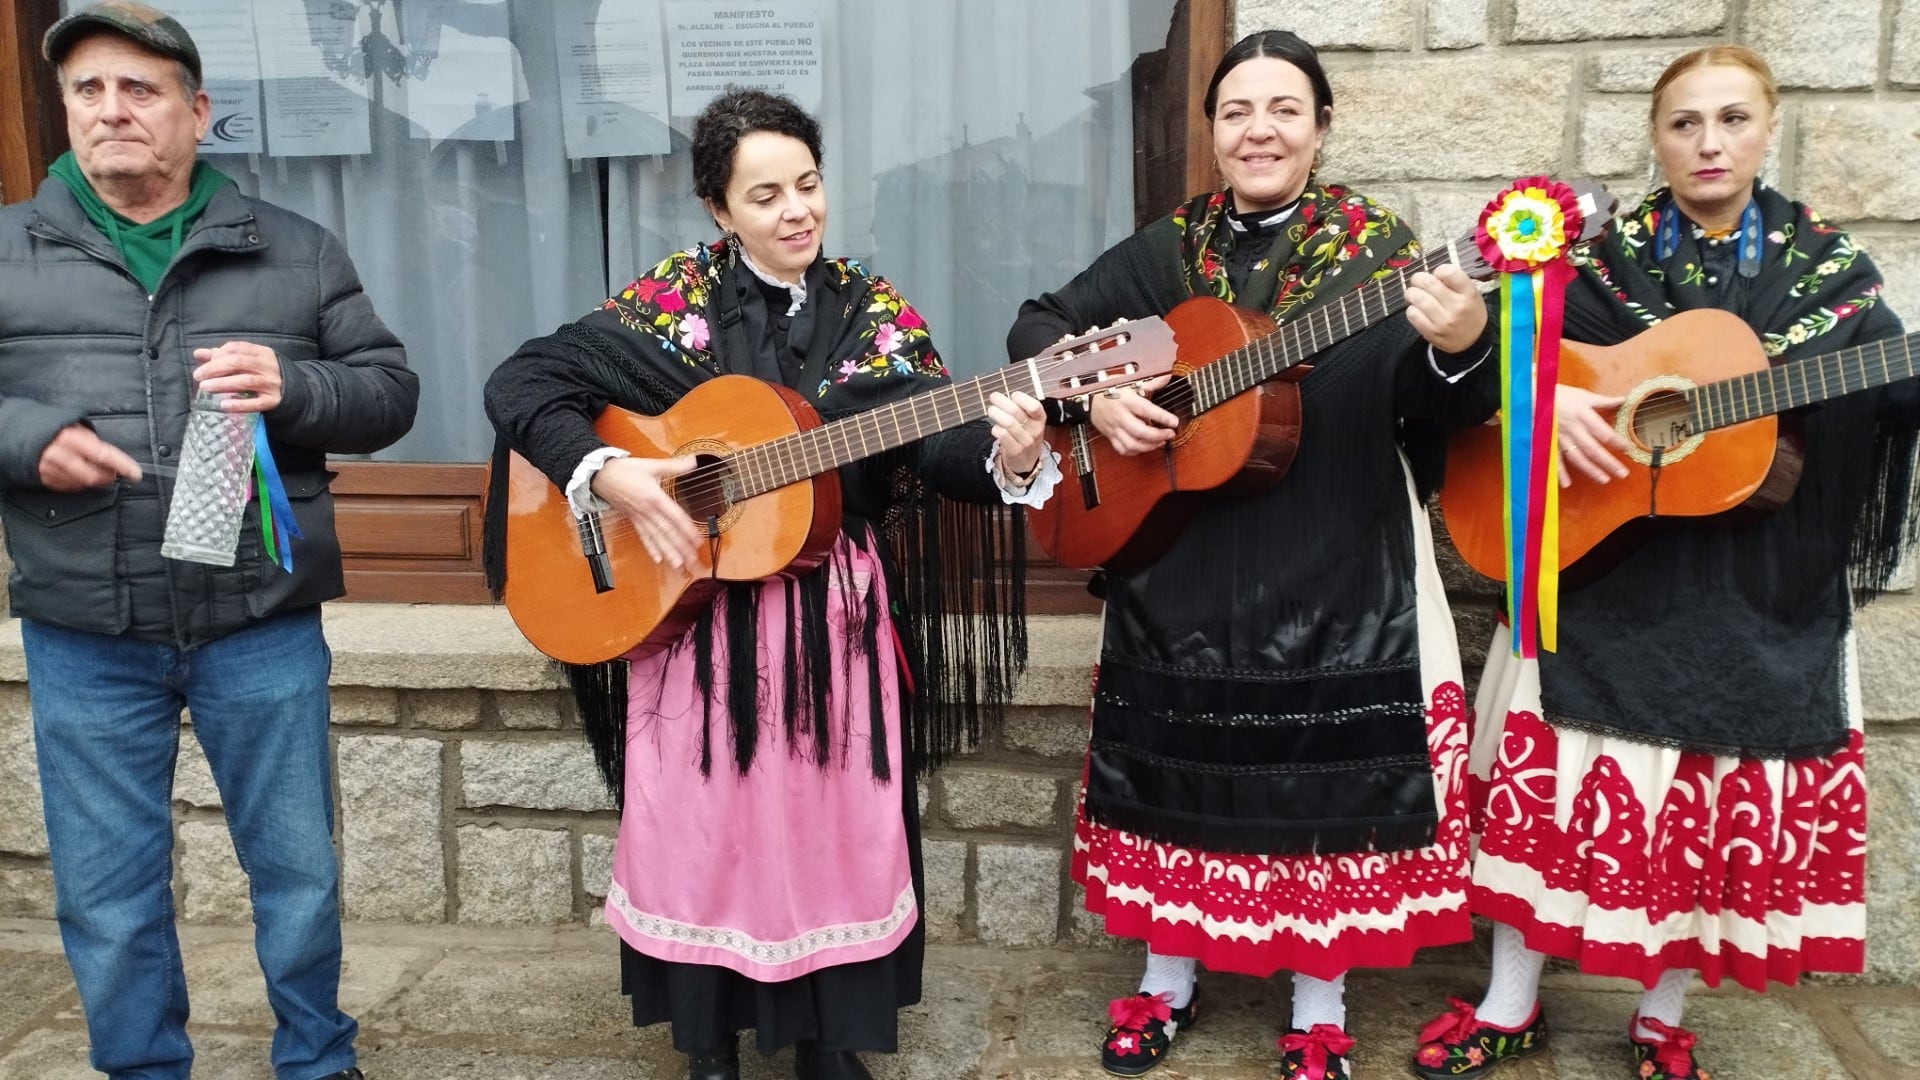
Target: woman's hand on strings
pixel 1131 422
pixel 632 486
pixel 1445 308
pixel 1586 436
pixel 1019 429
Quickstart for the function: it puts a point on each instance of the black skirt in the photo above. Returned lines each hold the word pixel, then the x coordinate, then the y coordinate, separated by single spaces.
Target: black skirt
pixel 845 1007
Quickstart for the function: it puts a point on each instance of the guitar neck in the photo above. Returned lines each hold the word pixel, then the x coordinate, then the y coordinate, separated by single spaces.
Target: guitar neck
pixel 1805 382
pixel 809 453
pixel 1296 341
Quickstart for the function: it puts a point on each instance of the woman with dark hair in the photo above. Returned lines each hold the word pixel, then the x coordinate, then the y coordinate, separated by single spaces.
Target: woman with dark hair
pixel 1275 779
pixel 1678 789
pixel 767 875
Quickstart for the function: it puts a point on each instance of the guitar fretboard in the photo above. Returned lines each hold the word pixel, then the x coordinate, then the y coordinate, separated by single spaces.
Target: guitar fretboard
pixel 1804 382
pixel 793 458
pixel 1298 340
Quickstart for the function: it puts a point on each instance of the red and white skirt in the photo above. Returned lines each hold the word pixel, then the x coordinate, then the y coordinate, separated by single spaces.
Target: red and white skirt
pixel 1320 915
pixel 1633 859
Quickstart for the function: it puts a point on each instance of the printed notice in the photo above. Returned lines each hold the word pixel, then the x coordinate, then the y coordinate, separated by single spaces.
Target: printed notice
pixel 771 45
pixel 223 30
pixel 316 100
pixel 613 78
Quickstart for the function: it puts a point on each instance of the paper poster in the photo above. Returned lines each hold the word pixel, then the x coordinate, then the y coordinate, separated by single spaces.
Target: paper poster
pixel 771 45
pixel 613 78
pixel 230 64
pixel 315 96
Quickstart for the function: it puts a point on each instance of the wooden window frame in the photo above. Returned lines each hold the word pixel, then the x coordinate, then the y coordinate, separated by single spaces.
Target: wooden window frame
pixel 410 532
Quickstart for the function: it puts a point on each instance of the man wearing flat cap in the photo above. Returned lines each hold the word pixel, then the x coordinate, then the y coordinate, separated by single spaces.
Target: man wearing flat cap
pixel 136 280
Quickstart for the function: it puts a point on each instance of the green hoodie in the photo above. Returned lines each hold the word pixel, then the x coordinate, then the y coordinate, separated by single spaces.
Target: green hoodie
pixel 150 247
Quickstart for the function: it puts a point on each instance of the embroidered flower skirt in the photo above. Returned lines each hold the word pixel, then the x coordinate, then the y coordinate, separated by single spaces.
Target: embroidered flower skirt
pixel 1317 914
pixel 1632 859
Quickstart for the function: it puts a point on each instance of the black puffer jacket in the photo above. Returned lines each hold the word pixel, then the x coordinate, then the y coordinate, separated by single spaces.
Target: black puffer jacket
pixel 82 342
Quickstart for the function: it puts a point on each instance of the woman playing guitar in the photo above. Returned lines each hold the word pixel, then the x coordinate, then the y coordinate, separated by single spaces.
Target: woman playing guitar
pixel 1678 788
pixel 766 874
pixel 1275 778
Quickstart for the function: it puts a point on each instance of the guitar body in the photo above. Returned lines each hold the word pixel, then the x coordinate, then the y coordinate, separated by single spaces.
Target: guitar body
pixel 1240 446
pixel 1751 464
pixel 550 590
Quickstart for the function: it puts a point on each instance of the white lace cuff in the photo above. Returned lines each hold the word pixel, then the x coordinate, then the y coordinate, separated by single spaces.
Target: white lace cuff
pixel 1036 490
pixel 580 494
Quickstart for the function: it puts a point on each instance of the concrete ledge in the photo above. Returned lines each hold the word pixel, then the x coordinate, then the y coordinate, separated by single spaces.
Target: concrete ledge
pixel 473 647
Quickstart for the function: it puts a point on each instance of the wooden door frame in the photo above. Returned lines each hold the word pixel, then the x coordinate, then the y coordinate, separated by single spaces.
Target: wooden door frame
pixel 31 131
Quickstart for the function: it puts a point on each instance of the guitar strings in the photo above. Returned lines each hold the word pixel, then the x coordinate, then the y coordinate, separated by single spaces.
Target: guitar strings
pixel 705 483
pixel 1391 292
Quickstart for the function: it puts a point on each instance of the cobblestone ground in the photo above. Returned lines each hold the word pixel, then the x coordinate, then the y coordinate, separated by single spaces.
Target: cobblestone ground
pixel 450 1004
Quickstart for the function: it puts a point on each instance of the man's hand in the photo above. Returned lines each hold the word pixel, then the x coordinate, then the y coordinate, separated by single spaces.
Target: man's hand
pixel 248 376
pixel 77 460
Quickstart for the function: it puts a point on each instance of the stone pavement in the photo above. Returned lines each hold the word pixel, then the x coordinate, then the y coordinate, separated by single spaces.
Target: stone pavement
pixel 440 1003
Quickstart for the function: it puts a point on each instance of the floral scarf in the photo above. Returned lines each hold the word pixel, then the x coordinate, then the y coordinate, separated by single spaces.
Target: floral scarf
pixel 1332 241
pixel 675 303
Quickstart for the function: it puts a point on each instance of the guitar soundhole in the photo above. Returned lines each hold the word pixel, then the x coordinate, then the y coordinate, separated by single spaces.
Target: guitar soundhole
pixel 1661 421
pixel 702 491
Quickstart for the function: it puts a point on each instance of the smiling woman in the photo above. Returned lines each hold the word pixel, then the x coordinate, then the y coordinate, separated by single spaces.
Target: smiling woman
pixel 794 906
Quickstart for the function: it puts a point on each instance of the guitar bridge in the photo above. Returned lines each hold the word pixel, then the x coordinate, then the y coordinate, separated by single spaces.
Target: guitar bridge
pixel 593 545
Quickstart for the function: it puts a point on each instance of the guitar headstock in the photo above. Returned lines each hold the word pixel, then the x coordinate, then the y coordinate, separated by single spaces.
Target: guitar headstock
pixel 1126 352
pixel 1597 209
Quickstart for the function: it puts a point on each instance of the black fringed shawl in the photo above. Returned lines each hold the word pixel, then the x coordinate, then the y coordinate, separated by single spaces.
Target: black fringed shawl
pixel 854 345
pixel 1724 634
pixel 1260 687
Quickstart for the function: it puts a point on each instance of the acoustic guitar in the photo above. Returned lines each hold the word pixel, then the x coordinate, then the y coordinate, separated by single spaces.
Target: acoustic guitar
pixel 584 589
pixel 1700 418
pixel 1235 393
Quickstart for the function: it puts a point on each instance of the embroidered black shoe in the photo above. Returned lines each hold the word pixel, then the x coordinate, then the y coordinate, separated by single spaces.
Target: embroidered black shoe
pixel 1460 1044
pixel 346 1074
pixel 1666 1056
pixel 1318 1053
pixel 1143 1027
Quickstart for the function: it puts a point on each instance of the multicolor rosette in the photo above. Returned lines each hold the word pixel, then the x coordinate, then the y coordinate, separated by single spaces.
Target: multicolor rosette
pixel 1524 235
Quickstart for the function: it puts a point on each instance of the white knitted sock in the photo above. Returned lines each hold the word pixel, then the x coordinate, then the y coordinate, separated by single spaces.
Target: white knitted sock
pixel 1172 975
pixel 1319 1001
pixel 1515 986
pixel 1665 1001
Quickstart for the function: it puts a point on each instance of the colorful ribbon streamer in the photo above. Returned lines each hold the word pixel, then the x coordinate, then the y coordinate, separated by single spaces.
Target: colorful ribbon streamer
pixel 276 512
pixel 1523 234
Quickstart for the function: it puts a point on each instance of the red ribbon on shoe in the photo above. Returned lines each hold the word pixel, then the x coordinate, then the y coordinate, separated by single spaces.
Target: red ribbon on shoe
pixel 1133 1013
pixel 1319 1041
pixel 1674 1052
pixel 1451 1027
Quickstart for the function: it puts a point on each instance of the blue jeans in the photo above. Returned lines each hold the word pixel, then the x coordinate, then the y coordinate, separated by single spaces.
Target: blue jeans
pixel 106 723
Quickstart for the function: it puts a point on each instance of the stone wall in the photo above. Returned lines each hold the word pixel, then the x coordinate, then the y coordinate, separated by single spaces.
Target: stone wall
pixel 1438 103
pixel 466 793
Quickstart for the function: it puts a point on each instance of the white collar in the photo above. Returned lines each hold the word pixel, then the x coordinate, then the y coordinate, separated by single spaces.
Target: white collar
pixel 797 292
pixel 1274 218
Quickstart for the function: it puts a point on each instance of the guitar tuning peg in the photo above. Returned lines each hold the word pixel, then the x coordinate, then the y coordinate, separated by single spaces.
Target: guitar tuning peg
pixel 1123 320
